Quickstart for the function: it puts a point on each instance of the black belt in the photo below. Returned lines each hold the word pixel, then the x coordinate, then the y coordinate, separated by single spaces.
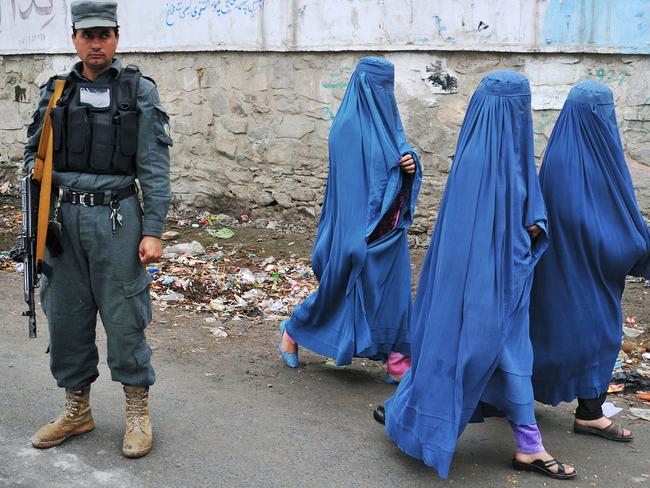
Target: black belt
pixel 93 198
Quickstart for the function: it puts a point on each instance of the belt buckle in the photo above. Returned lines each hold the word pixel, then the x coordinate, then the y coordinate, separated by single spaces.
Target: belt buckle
pixel 82 199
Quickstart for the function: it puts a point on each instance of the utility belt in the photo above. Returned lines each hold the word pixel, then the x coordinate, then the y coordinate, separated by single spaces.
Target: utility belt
pixel 110 198
pixel 94 198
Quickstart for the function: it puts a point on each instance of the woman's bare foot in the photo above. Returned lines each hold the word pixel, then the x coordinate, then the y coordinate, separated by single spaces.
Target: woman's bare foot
pixel 601 423
pixel 544 456
pixel 288 345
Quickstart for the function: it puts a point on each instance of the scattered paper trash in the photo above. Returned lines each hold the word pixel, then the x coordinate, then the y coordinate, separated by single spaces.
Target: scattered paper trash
pixel 610 409
pixel 246 276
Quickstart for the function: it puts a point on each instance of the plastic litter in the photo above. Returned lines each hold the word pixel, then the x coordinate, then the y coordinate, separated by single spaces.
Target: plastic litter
pixel 630 332
pixel 642 413
pixel 193 248
pixel 172 296
pixel 616 388
pixel 224 233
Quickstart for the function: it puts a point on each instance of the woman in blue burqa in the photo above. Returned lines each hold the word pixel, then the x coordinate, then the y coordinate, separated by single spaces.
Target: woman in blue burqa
pixel 471 351
pixel 598 238
pixel 363 304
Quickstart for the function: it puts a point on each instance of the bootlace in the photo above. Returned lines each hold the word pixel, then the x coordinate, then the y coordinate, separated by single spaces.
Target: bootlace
pixel 135 409
pixel 73 402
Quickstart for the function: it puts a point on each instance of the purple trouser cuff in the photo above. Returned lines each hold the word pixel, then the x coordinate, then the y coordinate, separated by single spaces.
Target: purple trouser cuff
pixel 528 439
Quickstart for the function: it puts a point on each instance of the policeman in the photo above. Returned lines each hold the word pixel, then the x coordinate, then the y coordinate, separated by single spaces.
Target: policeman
pixel 109 129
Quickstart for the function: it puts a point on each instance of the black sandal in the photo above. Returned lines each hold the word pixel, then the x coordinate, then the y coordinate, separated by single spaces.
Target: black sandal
pixel 612 432
pixel 543 467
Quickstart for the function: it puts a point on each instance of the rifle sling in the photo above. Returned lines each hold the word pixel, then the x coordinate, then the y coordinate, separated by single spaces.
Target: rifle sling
pixel 43 174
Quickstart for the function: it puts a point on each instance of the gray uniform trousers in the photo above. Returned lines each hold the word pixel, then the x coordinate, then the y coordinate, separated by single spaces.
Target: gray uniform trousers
pixel 98 271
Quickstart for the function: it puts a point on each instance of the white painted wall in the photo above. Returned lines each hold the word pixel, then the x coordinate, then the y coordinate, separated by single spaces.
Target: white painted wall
pixel 608 26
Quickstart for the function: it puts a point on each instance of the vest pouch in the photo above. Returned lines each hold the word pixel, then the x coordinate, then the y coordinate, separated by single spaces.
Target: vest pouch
pixel 79 136
pixel 101 154
pixel 59 154
pixel 127 142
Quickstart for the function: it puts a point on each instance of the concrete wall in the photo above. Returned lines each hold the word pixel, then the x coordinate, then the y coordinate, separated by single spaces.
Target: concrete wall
pixel 251 129
pixel 602 26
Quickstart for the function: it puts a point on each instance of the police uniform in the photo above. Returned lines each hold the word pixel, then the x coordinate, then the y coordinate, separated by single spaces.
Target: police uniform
pixel 106 134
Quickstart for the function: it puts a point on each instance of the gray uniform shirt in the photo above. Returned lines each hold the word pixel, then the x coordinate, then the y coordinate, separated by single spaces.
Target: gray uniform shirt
pixel 152 159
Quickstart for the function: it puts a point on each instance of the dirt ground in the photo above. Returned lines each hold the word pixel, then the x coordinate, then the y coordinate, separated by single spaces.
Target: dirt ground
pixel 186 333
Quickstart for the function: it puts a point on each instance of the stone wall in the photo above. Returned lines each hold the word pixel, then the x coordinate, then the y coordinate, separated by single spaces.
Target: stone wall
pixel 251 129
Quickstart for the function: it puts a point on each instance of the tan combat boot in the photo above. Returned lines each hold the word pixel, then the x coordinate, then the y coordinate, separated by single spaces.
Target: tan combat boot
pixel 77 419
pixel 138 437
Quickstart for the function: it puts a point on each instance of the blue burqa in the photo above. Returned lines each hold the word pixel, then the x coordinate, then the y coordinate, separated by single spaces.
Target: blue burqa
pixel 363 304
pixel 470 329
pixel 598 236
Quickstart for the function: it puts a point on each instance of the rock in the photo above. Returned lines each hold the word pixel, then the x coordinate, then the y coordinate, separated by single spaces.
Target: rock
pixel 236 126
pixel 283 199
pixel 295 126
pixel 272 225
pixel 628 347
pixel 170 235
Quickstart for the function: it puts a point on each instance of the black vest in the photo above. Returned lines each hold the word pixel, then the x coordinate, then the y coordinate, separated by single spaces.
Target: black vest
pixel 95 125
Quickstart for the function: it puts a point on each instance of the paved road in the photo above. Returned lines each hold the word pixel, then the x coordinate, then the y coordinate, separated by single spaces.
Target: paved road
pixel 226 413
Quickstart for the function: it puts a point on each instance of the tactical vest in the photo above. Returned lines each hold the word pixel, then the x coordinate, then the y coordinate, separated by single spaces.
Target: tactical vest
pixel 95 125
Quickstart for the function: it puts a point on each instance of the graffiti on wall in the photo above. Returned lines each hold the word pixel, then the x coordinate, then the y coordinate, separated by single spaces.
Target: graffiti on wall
pixel 200 9
pixel 32 20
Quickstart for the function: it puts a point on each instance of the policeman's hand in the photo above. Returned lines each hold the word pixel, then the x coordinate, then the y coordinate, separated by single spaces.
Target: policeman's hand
pixel 407 163
pixel 150 249
pixel 534 231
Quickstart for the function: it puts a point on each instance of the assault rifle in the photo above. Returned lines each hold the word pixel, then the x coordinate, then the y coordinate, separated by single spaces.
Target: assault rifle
pixel 25 252
pixel 36 192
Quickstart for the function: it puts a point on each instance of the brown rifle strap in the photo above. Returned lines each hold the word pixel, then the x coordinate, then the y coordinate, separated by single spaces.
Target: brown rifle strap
pixel 43 174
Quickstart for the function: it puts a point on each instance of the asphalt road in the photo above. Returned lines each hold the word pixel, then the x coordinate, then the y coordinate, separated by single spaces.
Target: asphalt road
pixel 226 413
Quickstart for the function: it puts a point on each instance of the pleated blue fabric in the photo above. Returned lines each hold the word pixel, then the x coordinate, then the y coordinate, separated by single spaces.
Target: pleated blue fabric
pixel 363 304
pixel 598 236
pixel 470 331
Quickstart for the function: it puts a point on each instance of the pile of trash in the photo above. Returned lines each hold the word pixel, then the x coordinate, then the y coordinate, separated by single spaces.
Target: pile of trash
pixel 10 226
pixel 234 285
pixel 631 373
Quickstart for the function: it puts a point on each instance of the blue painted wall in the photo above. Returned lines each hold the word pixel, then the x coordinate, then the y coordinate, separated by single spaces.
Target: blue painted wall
pixel 621 24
